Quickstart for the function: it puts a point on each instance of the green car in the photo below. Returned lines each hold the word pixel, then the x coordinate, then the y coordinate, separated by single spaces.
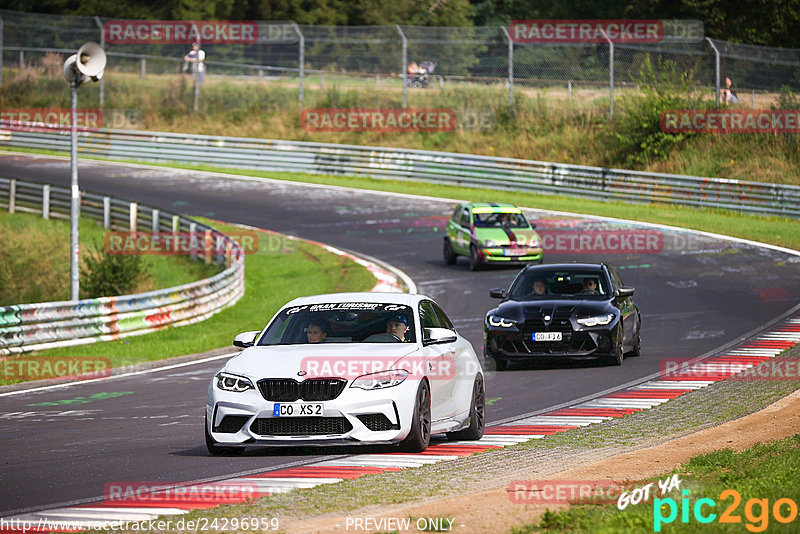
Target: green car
pixel 491 233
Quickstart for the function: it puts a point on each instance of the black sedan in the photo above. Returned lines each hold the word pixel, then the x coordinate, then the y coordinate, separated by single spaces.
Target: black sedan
pixel 572 310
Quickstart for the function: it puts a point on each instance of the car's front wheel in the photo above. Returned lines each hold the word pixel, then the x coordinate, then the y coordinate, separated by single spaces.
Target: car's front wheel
pixel 220 450
pixel 420 435
pixel 475 263
pixel 618 355
pixel 637 345
pixel 448 252
pixel 477 412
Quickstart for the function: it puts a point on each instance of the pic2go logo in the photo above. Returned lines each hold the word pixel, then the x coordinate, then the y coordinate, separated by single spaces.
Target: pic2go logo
pixel 756 511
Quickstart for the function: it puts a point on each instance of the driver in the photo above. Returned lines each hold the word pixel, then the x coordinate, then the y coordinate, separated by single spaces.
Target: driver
pixel 397 325
pixel 590 287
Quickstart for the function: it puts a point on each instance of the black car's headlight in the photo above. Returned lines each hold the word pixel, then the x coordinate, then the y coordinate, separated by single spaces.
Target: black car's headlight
pixel 235 383
pixel 500 321
pixel 381 380
pixel 597 320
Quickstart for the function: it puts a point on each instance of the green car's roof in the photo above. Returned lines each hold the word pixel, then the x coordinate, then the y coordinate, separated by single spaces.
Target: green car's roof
pixel 493 207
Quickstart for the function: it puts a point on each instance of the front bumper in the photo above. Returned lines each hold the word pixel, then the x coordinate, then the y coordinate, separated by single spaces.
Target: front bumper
pixel 510 255
pixel 517 344
pixel 248 419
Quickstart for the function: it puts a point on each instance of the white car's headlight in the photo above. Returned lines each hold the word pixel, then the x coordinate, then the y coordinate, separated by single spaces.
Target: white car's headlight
pixel 489 243
pixel 596 320
pixel 384 379
pixel 235 383
pixel 496 320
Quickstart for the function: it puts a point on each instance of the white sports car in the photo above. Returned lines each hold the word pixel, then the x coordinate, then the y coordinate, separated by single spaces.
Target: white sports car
pixel 344 369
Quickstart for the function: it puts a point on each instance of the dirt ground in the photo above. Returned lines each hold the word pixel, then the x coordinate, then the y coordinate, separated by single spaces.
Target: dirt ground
pixel 493 511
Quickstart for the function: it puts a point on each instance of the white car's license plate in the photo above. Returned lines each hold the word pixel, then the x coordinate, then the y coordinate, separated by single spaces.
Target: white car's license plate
pixel 297 409
pixel 547 336
pixel 515 251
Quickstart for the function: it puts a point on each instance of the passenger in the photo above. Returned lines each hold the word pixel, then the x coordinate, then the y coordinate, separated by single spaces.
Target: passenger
pixel 317 330
pixel 397 325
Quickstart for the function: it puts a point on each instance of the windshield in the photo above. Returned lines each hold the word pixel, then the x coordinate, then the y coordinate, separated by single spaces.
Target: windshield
pixel 549 284
pixel 498 220
pixel 341 322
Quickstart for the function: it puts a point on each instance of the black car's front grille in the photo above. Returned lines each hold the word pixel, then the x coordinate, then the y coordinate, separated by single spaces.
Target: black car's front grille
pixel 300 426
pixel 290 390
pixel 377 422
pixel 559 322
pixel 231 424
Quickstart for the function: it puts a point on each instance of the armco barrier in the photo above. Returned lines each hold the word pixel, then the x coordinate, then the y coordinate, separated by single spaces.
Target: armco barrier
pixel 418 165
pixel 26 327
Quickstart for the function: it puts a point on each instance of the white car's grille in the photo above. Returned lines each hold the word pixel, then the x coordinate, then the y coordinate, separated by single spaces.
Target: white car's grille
pixel 290 390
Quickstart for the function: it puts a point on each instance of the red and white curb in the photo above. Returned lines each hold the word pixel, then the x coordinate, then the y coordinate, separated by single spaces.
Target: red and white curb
pixel 745 355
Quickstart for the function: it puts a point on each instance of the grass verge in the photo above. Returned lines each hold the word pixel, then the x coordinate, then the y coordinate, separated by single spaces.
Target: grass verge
pixel 28 239
pixel 272 277
pixel 536 459
pixel 748 484
pixel 547 124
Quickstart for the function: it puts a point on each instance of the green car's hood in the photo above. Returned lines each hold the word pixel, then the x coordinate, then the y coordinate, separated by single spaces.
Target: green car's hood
pixel 523 236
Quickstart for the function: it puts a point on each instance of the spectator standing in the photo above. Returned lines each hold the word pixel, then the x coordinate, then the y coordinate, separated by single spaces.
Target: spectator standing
pixel 196 57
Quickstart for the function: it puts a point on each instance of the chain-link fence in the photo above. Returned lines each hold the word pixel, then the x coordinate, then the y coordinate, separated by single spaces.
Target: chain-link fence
pixel 480 69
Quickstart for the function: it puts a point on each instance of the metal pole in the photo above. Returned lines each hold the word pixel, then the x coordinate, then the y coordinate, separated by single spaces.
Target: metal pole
pixel 46 201
pixel 510 71
pixel 75 197
pixel 196 104
pixel 12 195
pixel 301 71
pixel 610 75
pixel 716 69
pixel 103 46
pixel 107 213
pixel 611 79
pixel 143 68
pixel 1 51
pixel 405 62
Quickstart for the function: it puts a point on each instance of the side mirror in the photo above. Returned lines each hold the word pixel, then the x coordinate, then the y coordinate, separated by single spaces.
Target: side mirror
pixel 434 336
pixel 498 293
pixel 245 339
pixel 533 225
pixel 625 292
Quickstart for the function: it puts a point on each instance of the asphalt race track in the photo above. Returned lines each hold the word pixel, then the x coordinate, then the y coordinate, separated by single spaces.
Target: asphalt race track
pixel 696 294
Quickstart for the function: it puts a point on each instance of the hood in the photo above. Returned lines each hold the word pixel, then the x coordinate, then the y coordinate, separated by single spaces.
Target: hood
pixel 522 236
pixel 519 310
pixel 285 361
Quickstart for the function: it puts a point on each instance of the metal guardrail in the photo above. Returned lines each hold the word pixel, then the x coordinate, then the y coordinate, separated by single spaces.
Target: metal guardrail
pixel 27 327
pixel 419 165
